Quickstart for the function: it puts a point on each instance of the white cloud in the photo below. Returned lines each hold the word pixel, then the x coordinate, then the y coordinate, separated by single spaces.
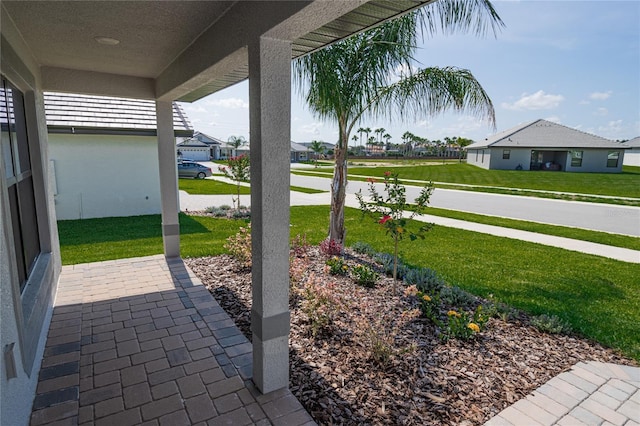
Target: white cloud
pixel 600 96
pixel 554 119
pixel 310 128
pixel 190 108
pixel 402 71
pixel 535 101
pixel 229 103
pixel 601 112
pixel 611 126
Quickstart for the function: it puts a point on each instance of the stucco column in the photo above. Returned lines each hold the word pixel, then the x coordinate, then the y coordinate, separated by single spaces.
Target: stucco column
pixel 270 122
pixel 168 179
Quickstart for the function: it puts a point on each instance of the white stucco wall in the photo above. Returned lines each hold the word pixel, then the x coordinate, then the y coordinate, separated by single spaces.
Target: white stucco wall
pixel 632 157
pixel 104 175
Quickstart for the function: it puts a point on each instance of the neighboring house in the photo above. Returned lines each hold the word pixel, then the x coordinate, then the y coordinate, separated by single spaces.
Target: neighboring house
pixel 228 151
pixel 103 154
pixel 543 145
pixel 299 152
pixel 200 147
pixel 160 52
pixel 328 147
pixel 632 155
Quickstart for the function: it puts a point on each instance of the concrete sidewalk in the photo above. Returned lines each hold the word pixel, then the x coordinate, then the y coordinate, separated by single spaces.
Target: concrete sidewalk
pixel 200 202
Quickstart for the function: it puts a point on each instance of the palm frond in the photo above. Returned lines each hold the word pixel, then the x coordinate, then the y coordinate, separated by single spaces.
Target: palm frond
pixel 432 91
pixel 452 16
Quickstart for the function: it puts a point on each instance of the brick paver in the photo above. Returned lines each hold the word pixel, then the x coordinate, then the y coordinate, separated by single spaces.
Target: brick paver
pixel 142 341
pixel 591 393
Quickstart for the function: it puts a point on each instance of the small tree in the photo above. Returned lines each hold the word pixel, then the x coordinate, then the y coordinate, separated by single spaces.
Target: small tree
pixel 318 149
pixel 238 170
pixel 389 211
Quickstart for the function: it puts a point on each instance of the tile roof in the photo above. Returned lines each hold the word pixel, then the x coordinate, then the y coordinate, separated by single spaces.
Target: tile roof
pixel 102 114
pixel 544 134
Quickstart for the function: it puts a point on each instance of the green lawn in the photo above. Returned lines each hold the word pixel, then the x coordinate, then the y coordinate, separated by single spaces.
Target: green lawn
pixel 210 187
pixel 600 297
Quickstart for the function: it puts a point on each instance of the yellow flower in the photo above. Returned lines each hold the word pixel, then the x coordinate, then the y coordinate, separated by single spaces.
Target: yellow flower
pixel 399 230
pixel 452 313
pixel 426 298
pixel 474 327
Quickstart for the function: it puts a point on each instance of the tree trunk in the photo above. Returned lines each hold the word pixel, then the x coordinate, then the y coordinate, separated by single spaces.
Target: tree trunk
pixel 338 193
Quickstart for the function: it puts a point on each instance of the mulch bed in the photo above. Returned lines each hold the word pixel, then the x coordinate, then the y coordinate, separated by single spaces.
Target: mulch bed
pixel 426 380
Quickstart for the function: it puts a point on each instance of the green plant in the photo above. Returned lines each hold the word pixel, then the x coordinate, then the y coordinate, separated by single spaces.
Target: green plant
pixel 238 170
pixel 390 210
pixel 300 246
pixel 239 246
pixel 337 266
pixel 429 304
pixel 363 248
pixel 425 279
pixel 462 325
pixel 551 324
pixel 455 296
pixel 364 275
pixel 320 304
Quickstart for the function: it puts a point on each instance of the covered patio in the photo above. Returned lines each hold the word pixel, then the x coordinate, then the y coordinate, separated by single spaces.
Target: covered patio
pixel 142 340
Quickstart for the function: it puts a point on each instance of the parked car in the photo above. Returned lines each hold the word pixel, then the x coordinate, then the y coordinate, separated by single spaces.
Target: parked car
pixel 193 170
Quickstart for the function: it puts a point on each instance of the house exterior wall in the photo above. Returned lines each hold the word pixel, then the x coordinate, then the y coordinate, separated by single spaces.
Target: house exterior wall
pixel 25 316
pixel 595 161
pixel 517 157
pixel 479 157
pixel 632 157
pixel 105 176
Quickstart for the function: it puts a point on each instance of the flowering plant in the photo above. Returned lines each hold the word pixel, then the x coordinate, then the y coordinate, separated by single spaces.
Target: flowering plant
pixel 464 326
pixel 337 266
pixel 429 306
pixel 238 170
pixel 389 210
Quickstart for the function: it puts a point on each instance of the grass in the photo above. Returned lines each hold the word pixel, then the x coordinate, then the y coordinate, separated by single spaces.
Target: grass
pixel 606 238
pixel 625 184
pixel 598 296
pixel 210 187
pixel 214 187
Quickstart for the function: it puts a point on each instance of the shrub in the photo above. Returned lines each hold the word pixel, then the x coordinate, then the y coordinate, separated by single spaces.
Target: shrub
pixel 330 247
pixel 320 304
pixel 337 266
pixel 239 246
pixel 363 248
pixel 426 280
pixel 364 276
pixel 551 324
pixel 429 304
pixel 299 246
pixel 455 296
pixel 462 325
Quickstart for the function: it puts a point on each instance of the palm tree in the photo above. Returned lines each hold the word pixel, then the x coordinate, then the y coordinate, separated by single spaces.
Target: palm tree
pixel 352 79
pixel 318 148
pixel 380 131
pixel 236 142
pixel 362 130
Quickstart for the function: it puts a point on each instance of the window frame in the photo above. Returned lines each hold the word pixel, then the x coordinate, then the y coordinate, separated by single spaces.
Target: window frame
pixel 576 158
pixel 506 154
pixel 609 159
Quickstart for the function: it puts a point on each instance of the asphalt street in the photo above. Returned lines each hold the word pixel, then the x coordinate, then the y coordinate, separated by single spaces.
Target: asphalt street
pixel 594 216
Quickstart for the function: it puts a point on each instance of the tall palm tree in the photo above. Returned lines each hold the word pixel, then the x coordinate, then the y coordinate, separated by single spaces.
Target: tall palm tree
pixel 361 130
pixel 351 79
pixel 236 142
pixel 380 131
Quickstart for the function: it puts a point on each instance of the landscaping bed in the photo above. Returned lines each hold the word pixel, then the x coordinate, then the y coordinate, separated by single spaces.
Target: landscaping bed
pixel 363 355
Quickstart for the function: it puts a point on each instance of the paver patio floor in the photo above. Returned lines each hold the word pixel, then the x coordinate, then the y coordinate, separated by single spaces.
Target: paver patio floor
pixel 142 341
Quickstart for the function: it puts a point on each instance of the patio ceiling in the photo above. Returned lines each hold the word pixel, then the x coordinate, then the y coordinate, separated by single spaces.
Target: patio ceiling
pixel 175 50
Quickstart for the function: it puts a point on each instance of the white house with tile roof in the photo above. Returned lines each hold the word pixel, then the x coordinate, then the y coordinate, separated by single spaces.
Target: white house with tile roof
pixel 543 145
pixel 103 153
pixel 632 155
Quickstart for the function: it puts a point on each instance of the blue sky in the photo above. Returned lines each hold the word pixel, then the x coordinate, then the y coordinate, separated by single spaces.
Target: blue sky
pixel 573 62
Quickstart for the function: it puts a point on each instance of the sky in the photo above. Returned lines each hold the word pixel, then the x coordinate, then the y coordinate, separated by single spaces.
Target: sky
pixel 576 63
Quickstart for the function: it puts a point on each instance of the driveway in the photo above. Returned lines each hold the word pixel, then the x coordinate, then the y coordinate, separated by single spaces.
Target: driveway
pixel 597 217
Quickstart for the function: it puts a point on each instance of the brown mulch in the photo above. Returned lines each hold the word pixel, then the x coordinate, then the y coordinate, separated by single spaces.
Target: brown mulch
pixel 426 380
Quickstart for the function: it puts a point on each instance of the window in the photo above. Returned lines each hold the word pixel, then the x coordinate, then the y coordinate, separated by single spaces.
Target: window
pixel 19 180
pixel 612 158
pixel 576 158
pixel 506 154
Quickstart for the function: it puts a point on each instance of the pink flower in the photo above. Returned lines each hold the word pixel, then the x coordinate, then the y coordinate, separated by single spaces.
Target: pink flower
pixel 371 180
pixel 387 173
pixel 384 219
